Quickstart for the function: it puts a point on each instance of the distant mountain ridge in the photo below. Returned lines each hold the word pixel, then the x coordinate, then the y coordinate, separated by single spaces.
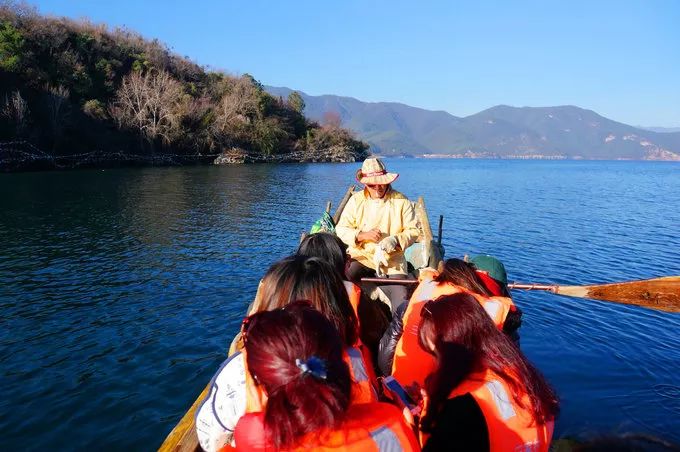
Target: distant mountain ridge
pixel 660 129
pixel 569 132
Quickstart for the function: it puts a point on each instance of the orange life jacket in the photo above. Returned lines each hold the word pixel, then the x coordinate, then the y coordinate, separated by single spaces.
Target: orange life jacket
pixel 363 390
pixel 510 427
pixel 368 427
pixel 411 363
pixel 354 294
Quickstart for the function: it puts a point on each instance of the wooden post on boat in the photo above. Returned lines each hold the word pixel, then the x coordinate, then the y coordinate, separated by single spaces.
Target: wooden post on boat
pixel 441 223
pixel 424 221
pixel 343 203
pixel 425 229
pixel 328 207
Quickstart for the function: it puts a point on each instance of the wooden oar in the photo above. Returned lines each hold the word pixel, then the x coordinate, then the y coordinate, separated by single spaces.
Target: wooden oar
pixel 662 294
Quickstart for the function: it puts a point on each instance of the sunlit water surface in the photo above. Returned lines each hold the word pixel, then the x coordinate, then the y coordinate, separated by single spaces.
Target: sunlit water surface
pixel 120 290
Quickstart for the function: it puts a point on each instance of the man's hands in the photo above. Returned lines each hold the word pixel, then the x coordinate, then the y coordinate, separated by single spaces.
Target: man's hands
pixel 374 235
pixel 389 244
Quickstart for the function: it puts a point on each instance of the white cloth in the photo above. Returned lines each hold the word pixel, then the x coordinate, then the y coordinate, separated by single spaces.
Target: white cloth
pixel 389 244
pixel 380 261
pixel 218 414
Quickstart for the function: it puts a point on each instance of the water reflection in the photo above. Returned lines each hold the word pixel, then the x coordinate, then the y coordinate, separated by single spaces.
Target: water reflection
pixel 121 289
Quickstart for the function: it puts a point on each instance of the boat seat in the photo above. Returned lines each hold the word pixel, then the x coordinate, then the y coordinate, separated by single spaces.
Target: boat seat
pixel 421 255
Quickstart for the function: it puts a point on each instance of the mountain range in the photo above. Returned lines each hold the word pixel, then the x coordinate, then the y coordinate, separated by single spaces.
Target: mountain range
pixel 660 129
pixel 562 132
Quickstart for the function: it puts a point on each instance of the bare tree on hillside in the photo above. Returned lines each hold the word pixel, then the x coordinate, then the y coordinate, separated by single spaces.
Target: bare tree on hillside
pixel 20 9
pixel 15 109
pixel 237 105
pixel 150 103
pixel 58 107
pixel 196 112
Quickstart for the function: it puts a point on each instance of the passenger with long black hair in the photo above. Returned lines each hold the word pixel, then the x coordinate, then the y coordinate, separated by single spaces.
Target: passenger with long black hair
pixel 483 394
pixel 373 316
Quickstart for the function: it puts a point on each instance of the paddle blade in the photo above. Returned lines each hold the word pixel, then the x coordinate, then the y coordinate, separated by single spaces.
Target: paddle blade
pixel 662 294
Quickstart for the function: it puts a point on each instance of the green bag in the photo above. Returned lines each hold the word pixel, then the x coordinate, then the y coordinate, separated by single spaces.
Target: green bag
pixel 323 224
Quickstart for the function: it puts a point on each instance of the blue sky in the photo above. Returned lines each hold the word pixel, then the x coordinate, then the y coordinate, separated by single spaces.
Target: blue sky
pixel 621 59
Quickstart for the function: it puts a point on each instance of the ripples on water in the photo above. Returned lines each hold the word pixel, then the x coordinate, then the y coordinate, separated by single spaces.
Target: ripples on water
pixel 121 289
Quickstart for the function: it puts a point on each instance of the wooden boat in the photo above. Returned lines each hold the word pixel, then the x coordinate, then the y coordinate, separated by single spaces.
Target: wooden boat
pixel 425 252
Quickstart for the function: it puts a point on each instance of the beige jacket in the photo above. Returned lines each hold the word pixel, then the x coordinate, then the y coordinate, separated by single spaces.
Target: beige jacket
pixel 393 215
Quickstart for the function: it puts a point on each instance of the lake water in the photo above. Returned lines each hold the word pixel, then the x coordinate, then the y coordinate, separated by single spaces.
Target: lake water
pixel 120 290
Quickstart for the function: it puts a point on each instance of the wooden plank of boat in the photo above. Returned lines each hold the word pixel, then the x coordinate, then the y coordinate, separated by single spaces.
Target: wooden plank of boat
pixel 183 437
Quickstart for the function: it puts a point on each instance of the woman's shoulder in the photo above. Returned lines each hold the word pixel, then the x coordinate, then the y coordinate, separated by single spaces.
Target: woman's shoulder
pixel 232 371
pixel 250 432
pixel 364 424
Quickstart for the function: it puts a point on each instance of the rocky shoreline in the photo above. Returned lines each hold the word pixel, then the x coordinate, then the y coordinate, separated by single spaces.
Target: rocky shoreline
pixel 23 156
pixel 332 154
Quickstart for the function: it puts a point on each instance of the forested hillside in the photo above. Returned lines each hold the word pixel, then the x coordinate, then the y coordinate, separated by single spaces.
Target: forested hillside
pixel 75 93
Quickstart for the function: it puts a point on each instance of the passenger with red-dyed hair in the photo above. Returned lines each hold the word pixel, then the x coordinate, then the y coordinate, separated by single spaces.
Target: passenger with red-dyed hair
pixel 233 392
pixel 484 394
pixel 399 353
pixel 296 356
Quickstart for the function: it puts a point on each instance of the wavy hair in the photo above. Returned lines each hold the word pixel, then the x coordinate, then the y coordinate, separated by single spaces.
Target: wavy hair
pixel 467 341
pixel 463 274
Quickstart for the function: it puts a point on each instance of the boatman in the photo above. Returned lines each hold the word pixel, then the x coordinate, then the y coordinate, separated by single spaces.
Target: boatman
pixel 378 224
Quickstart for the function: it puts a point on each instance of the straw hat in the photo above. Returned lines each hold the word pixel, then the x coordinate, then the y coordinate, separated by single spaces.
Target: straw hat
pixel 373 172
